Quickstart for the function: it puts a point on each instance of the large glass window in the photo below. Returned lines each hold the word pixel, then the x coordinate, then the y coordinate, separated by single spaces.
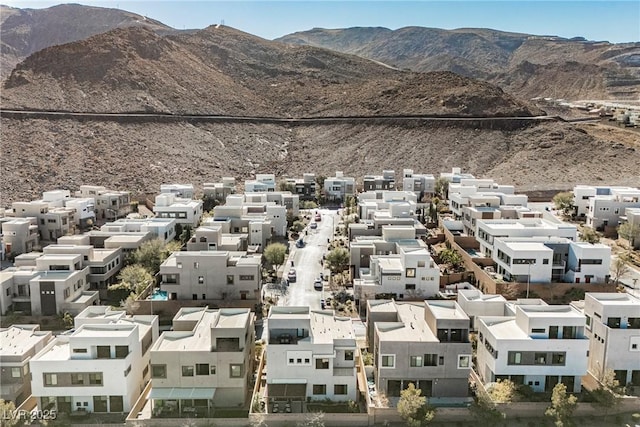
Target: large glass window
pixel 514 358
pixel 122 351
pixel 430 360
pixel 95 378
pixel 340 389
pixel 158 371
pixel 388 361
pixel 116 404
pixel 50 379
pixel 187 371
pixel 104 352
pixel 322 363
pixel 348 355
pixel 319 389
pixel 236 370
pixel 202 369
pixel 415 361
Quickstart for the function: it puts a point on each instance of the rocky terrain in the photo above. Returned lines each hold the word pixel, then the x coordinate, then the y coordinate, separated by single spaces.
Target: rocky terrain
pixel 522 64
pixel 25 31
pixel 227 72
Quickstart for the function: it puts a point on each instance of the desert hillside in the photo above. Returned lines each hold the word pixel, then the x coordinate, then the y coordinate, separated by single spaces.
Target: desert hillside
pixel 523 64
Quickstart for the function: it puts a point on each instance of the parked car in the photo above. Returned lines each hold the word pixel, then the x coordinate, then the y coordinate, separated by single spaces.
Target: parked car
pixel 300 243
pixel 317 285
pixel 322 304
pixel 292 276
pixel 313 225
pixel 318 217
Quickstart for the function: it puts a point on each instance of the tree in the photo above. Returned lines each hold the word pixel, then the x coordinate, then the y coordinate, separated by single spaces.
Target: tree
pixel 590 235
pixel 275 254
pixel 503 391
pixel 605 397
pixel 338 260
pixel 441 187
pixel 433 212
pixel 562 405
pixel 67 320
pixel 564 202
pixel 286 186
pixel 152 253
pixel 630 232
pixel 413 408
pixel 133 278
pixel 8 413
pixel 620 268
pixel 185 234
pixel 452 257
pixel 209 202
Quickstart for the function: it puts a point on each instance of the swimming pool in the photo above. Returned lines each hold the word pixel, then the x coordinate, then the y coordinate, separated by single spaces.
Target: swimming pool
pixel 159 295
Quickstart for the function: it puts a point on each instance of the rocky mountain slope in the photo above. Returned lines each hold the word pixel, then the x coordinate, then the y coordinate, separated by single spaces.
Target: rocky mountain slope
pixel 220 70
pixel 25 31
pixel 522 64
pixel 228 72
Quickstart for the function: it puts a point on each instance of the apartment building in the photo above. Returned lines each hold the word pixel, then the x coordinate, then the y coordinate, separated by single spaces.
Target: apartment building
pixel 410 273
pixel 184 211
pixel 305 188
pixel 337 188
pixel 280 198
pixel 18 344
pixel 582 194
pixel 84 207
pixel 361 248
pixel 110 205
pixel 632 216
pixel 396 203
pixel 488 230
pixel 52 222
pixel 104 264
pixel 211 275
pixel 424 343
pixel 311 354
pixel 386 181
pixel 540 346
pixel 219 190
pixel 546 260
pixel 183 191
pixel 420 184
pixel 475 303
pixel 205 361
pixel 101 366
pixel 20 235
pixel 212 237
pixel 159 228
pixel 264 182
pixel 613 329
pixel 46 285
pixel 605 210
pixel 456 175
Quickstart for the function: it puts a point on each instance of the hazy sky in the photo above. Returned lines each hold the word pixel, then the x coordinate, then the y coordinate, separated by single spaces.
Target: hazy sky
pixel 615 21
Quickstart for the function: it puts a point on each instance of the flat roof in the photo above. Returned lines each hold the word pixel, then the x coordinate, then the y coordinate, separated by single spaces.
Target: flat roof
pixel 527 246
pixel 504 328
pixel 111 330
pixel 326 327
pixel 615 298
pixel 198 339
pixel 411 327
pixel 16 340
pixel 57 350
pixel 390 263
pixel 446 310
pixel 549 311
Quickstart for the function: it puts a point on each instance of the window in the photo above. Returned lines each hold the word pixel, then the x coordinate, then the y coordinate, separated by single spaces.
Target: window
pixel 340 389
pixel 348 355
pixel 95 378
pixel 127 371
pixel 15 373
pixel 247 277
pixel 122 351
pixel 464 361
pixel 430 360
pixel 77 379
pixel 545 261
pixel 196 265
pixel 104 352
pixel 415 361
pixel 557 358
pixel 537 330
pixel 540 358
pixel 322 363
pixel 202 369
pixel 229 279
pixel 588 320
pixel 514 358
pixel 158 371
pixel 410 272
pixel 235 371
pixel 201 280
pixel 411 287
pixel 213 370
pixel 388 361
pixel 50 379
pixel 319 389
pixel 187 371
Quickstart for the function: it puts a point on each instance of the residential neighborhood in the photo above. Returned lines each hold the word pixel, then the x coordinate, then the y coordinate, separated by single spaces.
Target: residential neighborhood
pixel 341 296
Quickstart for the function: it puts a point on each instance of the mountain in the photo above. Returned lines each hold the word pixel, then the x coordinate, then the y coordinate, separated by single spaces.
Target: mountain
pixel 220 70
pixel 523 64
pixel 25 31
